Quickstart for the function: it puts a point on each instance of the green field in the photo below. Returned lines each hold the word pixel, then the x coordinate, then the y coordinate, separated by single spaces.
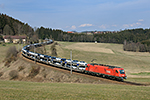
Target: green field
pixel 69 91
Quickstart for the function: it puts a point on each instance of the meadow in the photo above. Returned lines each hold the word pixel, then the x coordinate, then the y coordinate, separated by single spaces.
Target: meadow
pixel 70 91
pixel 134 63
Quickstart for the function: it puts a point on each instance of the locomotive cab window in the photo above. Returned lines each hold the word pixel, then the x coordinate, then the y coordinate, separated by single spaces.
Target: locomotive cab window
pixel 122 72
pixel 116 71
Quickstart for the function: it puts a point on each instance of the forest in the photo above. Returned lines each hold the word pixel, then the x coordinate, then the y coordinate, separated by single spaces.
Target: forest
pixel 137 40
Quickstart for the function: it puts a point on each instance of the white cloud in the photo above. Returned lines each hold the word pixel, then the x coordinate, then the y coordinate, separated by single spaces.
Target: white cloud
pixel 125 25
pixel 67 26
pixel 102 26
pixel 140 20
pixel 135 24
pixel 73 27
pixel 114 25
pixel 138 23
pixel 85 25
pixel 132 25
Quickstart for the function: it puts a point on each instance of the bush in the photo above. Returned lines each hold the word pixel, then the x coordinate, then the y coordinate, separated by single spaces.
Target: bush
pixel 7 63
pixel 20 68
pixel 147 42
pixel 4 44
pixel 34 71
pixel 40 50
pixel 53 49
pixel 13 74
pixel 12 51
pixel 1 73
pixel 11 55
pixel 136 47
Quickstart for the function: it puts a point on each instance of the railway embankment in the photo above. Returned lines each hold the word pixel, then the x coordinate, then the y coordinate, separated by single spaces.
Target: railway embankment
pixel 24 69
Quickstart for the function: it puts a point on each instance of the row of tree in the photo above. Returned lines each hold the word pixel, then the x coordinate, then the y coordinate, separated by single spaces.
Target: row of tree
pixel 136 47
pixel 135 35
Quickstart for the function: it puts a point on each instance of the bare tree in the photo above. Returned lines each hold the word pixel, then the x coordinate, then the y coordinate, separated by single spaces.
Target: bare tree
pixel 11 55
pixel 53 49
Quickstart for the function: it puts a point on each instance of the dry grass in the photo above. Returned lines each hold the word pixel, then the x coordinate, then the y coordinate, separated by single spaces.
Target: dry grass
pixel 23 70
pixel 3 49
pixel 132 62
pixel 13 74
pixel 71 91
pixel 90 47
pixel 106 53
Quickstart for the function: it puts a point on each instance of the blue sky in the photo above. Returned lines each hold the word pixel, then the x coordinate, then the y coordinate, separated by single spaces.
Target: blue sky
pixel 80 15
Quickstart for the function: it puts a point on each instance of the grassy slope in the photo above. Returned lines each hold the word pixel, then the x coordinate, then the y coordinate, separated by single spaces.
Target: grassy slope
pixel 31 90
pixel 45 74
pixel 132 62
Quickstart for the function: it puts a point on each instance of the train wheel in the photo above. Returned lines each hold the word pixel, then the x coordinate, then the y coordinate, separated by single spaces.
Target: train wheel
pixel 111 78
pixel 98 74
pixel 120 79
pixel 103 75
pixel 93 74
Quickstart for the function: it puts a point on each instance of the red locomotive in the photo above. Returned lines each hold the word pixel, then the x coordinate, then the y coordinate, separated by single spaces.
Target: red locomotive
pixel 112 72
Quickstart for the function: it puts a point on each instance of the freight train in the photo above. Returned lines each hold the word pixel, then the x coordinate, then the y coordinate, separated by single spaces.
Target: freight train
pixel 112 72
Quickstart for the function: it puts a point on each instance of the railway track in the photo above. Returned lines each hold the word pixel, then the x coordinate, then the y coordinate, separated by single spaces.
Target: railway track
pixel 105 80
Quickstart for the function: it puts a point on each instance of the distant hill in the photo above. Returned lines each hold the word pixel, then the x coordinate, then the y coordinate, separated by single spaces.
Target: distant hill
pixel 11 26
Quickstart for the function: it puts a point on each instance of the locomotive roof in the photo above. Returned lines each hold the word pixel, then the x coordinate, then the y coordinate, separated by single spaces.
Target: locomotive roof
pixel 104 65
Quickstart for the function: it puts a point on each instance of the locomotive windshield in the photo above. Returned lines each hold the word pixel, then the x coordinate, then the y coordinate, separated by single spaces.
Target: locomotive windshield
pixel 122 72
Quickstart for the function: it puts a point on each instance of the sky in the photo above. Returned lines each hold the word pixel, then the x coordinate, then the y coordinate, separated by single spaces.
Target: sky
pixel 80 15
